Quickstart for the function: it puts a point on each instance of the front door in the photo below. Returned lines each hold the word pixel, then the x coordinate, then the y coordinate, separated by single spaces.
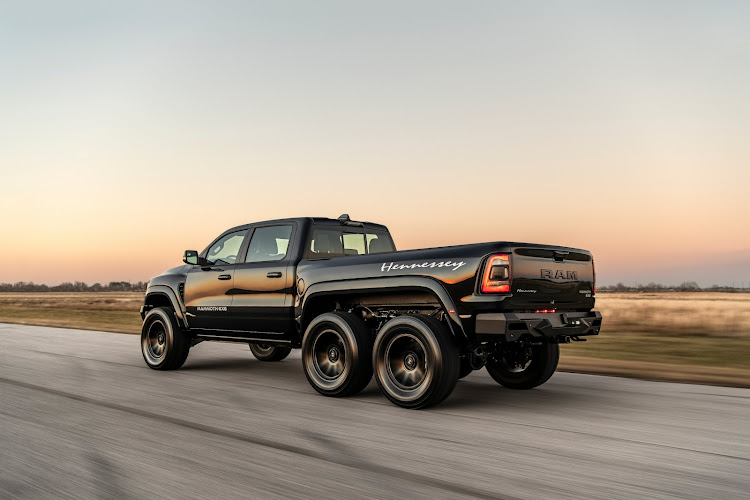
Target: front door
pixel 262 297
pixel 208 288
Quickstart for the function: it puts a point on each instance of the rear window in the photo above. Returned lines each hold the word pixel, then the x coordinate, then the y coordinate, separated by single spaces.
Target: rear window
pixel 325 243
pixel 333 242
pixel 354 244
pixel 379 242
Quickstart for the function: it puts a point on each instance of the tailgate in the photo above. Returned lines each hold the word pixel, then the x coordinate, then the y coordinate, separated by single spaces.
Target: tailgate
pixel 551 278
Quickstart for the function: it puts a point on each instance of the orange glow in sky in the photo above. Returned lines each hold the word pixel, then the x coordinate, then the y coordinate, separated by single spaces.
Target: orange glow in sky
pixel 130 133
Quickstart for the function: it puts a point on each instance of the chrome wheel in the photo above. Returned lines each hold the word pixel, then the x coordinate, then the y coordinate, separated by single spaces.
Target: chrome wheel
pixel 406 361
pixel 416 363
pixel 329 355
pixel 163 345
pixel 514 366
pixel 402 363
pixel 154 343
pixel 521 365
pixel 336 354
pixel 264 348
pixel 516 359
pixel 269 352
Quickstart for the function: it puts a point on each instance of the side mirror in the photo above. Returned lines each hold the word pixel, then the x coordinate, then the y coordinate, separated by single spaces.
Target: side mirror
pixel 190 257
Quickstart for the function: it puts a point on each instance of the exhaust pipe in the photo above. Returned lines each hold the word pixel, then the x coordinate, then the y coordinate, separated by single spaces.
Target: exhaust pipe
pixel 478 358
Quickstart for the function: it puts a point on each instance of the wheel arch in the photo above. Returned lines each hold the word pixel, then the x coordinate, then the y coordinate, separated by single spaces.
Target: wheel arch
pixel 322 297
pixel 164 296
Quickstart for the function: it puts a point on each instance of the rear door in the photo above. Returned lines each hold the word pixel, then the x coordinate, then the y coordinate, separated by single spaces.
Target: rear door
pixel 208 288
pixel 263 284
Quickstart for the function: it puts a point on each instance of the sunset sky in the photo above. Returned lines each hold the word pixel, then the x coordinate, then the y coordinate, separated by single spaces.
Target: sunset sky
pixel 130 131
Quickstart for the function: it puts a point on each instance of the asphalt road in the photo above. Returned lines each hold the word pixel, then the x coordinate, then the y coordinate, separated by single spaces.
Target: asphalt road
pixel 83 417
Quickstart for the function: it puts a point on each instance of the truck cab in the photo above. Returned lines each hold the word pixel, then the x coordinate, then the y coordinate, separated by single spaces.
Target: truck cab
pixel 243 284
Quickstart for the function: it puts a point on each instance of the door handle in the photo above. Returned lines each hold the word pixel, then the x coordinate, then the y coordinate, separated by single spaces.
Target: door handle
pixel 274 275
pixel 225 276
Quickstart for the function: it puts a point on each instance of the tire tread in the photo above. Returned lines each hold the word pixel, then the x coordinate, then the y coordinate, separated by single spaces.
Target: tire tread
pixel 550 354
pixel 277 353
pixel 361 371
pixel 177 355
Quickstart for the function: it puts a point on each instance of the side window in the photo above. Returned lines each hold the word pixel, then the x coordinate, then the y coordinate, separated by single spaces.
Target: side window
pixel 354 244
pixel 325 243
pixel 269 244
pixel 379 242
pixel 225 250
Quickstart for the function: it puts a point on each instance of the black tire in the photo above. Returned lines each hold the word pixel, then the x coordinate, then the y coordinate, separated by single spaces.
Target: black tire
pixel 163 345
pixel 415 360
pixel 336 354
pixel 268 352
pixel 537 371
pixel 465 368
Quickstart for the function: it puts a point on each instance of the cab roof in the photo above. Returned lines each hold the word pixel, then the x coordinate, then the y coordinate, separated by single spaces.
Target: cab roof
pixel 343 220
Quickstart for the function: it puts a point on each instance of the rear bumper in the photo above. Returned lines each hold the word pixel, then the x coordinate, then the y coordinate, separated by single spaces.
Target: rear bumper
pixel 511 326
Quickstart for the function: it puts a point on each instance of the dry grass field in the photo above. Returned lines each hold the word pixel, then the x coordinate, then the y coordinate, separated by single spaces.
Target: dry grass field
pixel 701 337
pixel 107 311
pixel 698 337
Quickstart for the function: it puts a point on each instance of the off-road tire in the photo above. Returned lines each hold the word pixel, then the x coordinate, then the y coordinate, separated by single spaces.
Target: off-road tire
pixel 415 361
pixel 163 345
pixel 541 367
pixel 269 352
pixel 337 354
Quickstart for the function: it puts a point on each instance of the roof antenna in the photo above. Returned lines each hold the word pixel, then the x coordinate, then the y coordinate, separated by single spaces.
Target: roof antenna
pixel 344 217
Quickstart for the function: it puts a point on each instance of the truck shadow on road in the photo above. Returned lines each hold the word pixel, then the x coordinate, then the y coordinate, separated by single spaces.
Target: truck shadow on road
pixel 222 365
pixel 474 392
pixel 485 394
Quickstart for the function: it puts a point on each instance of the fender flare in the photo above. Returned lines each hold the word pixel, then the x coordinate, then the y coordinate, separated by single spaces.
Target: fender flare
pixel 168 292
pixel 392 283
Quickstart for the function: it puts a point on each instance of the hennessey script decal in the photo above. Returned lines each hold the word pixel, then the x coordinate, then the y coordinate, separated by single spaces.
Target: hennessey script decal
pixel 387 267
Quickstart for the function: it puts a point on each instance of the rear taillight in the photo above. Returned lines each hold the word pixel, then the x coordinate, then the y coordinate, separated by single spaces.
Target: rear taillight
pixel 593 286
pixel 497 275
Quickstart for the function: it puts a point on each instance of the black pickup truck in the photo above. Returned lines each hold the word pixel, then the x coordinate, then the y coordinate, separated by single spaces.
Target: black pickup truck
pixel 417 319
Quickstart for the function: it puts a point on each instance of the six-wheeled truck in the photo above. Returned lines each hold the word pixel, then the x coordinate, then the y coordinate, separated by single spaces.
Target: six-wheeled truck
pixel 418 320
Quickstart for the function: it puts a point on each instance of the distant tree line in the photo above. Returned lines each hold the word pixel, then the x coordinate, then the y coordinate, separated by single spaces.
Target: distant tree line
pixel 77 286
pixel 686 286
pixel 140 286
